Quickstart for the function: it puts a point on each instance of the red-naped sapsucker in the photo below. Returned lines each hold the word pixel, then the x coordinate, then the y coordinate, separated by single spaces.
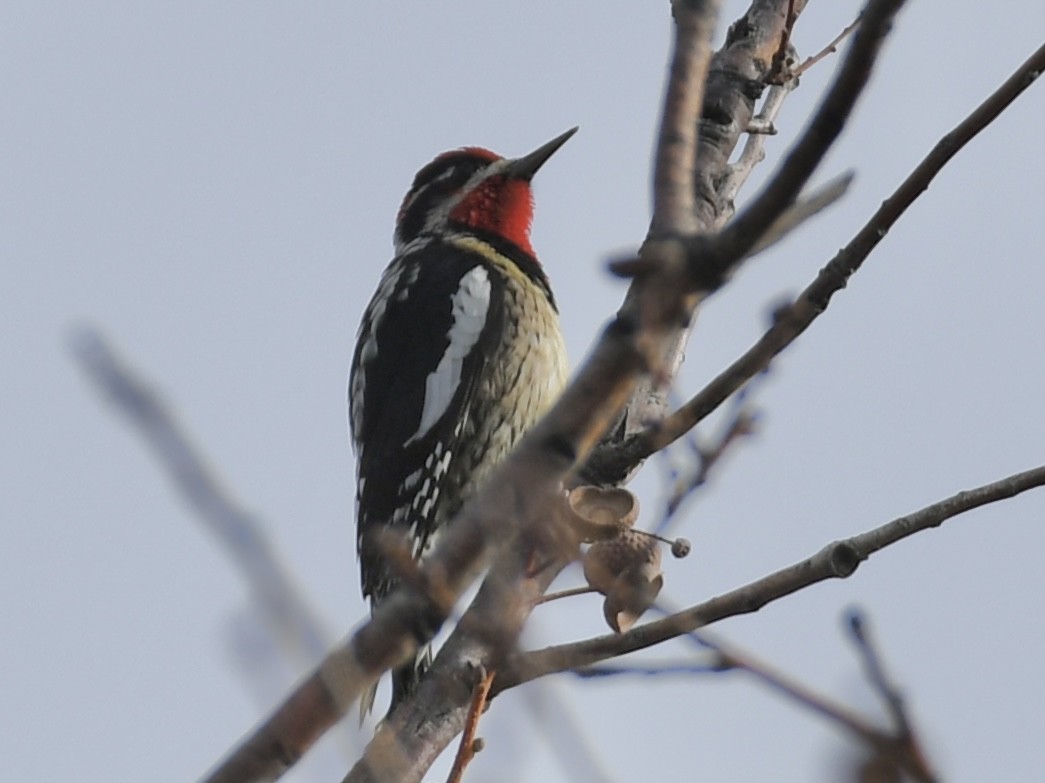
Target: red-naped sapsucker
pixel 458 354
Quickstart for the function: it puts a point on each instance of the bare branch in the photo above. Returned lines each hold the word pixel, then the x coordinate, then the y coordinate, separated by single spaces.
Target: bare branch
pixel 291 622
pixel 567 593
pixel 469 747
pixel 741 424
pixel 828 50
pixel 737 76
pixel 673 193
pixel 781 56
pixel 744 231
pixel 731 657
pixel 793 320
pixel 580 761
pixel 739 73
pixel 754 152
pixel 897 749
pixel 876 675
pixel 837 560
pixel 685 669
pixel 804 208
pixel 905 750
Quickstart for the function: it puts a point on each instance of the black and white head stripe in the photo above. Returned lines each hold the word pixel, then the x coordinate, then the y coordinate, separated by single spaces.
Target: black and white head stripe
pixel 434 187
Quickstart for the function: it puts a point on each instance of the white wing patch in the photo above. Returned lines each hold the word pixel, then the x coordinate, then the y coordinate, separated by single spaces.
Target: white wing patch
pixel 471 302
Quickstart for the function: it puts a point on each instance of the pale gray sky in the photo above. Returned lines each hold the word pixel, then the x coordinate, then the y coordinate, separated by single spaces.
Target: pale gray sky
pixel 214 185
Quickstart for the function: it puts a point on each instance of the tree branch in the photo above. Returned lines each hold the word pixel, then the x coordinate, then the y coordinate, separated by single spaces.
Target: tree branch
pixel 792 320
pixel 745 230
pixel 293 625
pixel 735 80
pixel 837 560
pixel 898 749
pixel 470 744
pixel 523 492
pixel 674 208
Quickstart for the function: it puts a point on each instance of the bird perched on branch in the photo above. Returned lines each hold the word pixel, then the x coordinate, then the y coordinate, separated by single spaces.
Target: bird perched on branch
pixel 458 354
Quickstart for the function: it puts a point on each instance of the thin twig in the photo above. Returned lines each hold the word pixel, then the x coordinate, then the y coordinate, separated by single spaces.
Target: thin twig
pixel 288 617
pixel 568 593
pixel 905 750
pixel 651 670
pixel 806 206
pixel 837 560
pixel 761 126
pixel 743 232
pixel 792 321
pixel 827 51
pixel 898 749
pixel 467 749
pixel 580 761
pixel 732 657
pixel 875 671
pixel 740 424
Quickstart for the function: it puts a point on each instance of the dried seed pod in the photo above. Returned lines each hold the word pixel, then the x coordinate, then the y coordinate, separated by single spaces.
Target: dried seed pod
pixel 600 514
pixel 625 569
pixel 680 547
pixel 634 593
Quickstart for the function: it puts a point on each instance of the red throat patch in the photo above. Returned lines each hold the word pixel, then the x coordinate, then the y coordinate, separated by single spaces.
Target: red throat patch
pixel 502 206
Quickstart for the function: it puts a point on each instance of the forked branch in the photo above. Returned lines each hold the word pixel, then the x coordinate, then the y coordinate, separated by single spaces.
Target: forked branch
pixel 522 494
pixel 791 321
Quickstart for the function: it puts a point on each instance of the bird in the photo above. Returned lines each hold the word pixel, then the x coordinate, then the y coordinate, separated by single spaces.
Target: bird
pixel 458 354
